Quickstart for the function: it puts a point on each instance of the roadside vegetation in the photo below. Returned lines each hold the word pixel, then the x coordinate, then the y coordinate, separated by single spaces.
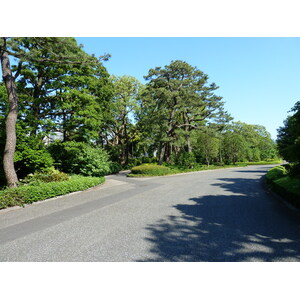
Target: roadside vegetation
pixel 61 111
pixel 168 169
pixel 285 179
pixel 41 187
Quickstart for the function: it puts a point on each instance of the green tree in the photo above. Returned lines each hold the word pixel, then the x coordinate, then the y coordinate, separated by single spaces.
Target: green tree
pixel 121 131
pixel 177 100
pixel 288 138
pixel 208 145
pixel 36 55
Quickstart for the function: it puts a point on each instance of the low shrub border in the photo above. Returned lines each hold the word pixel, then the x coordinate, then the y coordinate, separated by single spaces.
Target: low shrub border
pixel 287 187
pixel 26 194
pixel 156 170
pixel 150 170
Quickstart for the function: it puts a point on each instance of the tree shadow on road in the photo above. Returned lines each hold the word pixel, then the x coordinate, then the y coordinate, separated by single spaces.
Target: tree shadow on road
pixel 242 224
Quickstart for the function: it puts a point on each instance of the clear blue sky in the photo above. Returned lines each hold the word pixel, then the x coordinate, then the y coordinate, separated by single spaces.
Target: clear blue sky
pixel 258 78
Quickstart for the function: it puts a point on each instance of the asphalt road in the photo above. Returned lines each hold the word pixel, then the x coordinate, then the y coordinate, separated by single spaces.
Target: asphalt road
pixel 220 215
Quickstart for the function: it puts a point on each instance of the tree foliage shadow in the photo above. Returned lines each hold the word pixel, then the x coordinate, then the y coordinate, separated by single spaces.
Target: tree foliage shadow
pixel 242 224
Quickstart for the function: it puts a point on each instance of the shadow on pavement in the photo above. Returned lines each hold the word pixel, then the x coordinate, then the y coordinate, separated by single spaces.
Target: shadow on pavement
pixel 243 224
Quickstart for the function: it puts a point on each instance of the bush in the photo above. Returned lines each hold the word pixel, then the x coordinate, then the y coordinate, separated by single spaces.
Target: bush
pixel 151 170
pixel 288 188
pixel 294 170
pixel 186 160
pixel 149 160
pixel 32 193
pixel 80 158
pixel 276 173
pixel 48 175
pixel 115 167
pixel 32 160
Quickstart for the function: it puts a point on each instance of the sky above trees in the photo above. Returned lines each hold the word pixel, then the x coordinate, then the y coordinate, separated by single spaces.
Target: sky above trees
pixel 258 78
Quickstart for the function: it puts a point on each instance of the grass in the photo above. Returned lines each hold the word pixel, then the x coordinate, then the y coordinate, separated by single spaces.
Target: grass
pixel 29 193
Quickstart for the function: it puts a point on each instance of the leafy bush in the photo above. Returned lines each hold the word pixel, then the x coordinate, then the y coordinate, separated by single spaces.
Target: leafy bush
pixel 288 188
pixel 31 154
pixel 32 160
pixel 294 170
pixel 32 193
pixel 48 175
pixel 115 167
pixel 80 158
pixel 151 170
pixel 186 160
pixel 276 172
pixel 149 160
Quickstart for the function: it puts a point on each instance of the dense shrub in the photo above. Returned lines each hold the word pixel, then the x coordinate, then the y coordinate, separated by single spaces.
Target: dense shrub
pixel 114 167
pixel 151 170
pixel 47 175
pixel 32 193
pixel 288 188
pixel 80 158
pixel 31 154
pixel 186 160
pixel 294 170
pixel 132 162
pixel 32 160
pixel 149 160
pixel 276 173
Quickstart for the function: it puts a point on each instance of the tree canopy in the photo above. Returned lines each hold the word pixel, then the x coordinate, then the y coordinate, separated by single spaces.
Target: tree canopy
pixel 59 104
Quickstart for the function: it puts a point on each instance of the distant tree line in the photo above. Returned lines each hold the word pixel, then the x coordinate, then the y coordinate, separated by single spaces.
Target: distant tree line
pixel 60 107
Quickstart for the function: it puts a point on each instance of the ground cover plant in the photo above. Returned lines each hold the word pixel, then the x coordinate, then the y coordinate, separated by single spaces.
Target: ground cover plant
pixel 38 190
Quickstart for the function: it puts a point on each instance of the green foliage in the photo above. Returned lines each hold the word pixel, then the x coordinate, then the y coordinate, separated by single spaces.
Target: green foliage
pixel 288 188
pixel 47 175
pixel 151 170
pixel 31 193
pixel 276 173
pixel 119 132
pixel 248 143
pixel 115 167
pixel 294 170
pixel 186 160
pixel 288 139
pixel 208 145
pixel 264 162
pixel 177 100
pixel 31 154
pixel 80 158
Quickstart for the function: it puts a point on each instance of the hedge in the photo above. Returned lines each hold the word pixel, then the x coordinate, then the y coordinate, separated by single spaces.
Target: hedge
pixel 150 170
pixel 26 194
pixel 284 185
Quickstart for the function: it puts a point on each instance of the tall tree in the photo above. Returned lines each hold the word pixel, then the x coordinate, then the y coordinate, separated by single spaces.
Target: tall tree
pixel 288 138
pixel 120 130
pixel 42 52
pixel 178 99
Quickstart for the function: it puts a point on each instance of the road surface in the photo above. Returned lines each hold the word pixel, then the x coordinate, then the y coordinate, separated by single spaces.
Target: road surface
pixel 220 215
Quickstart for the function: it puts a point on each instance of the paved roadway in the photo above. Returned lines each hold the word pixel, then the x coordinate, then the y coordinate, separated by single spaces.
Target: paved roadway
pixel 220 215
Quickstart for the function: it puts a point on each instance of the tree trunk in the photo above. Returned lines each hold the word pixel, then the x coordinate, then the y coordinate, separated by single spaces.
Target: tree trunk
pixel 36 102
pixel 11 119
pixel 162 153
pixel 188 142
